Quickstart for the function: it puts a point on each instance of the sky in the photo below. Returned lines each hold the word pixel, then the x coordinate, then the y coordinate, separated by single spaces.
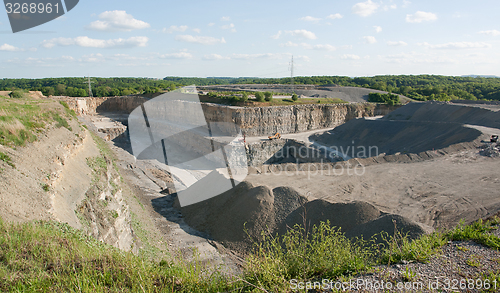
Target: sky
pixel 231 38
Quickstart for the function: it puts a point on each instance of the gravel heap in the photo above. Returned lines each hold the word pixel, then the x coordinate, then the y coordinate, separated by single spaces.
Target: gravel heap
pixel 238 217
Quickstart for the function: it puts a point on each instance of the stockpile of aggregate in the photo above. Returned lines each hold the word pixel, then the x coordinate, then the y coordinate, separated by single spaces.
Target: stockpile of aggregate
pixel 238 217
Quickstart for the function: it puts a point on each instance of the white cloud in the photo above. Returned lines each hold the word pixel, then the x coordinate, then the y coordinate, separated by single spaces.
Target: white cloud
pixel 255 56
pixel 493 33
pixel 388 7
pixel 276 36
pixel 197 30
pixel 211 24
pixel 200 39
pixel 378 29
pixel 350 57
pixel 10 48
pixel 417 58
pixel 458 45
pixel 229 26
pixel 421 16
pixel 325 47
pixel 310 18
pixel 396 43
pixel 302 33
pixel 225 18
pixel 406 3
pixel 365 8
pixel 180 55
pixel 175 28
pixel 117 20
pixel 289 44
pixel 92 58
pixel 96 43
pixel 215 57
pixel 43 62
pixel 334 16
pixel 370 39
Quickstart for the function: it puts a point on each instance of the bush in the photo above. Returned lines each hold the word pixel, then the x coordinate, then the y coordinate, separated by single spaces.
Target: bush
pixel 17 94
pixel 268 96
pixel 295 97
pixel 388 98
pixel 324 252
pixel 259 96
pixel 244 97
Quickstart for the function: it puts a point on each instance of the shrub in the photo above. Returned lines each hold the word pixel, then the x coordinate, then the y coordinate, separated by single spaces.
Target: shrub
pixel 244 97
pixel 17 94
pixel 268 96
pixel 323 252
pixel 295 97
pixel 388 98
pixel 259 96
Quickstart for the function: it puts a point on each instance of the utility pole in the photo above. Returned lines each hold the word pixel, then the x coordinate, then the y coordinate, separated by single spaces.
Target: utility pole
pixel 89 82
pixel 291 71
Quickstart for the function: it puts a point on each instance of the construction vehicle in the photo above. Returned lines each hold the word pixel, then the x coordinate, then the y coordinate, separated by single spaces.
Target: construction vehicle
pixel 277 135
pixel 494 138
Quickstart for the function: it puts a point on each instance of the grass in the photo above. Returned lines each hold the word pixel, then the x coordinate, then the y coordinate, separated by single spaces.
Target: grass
pixel 21 119
pixel 6 159
pixel 324 253
pixel 50 256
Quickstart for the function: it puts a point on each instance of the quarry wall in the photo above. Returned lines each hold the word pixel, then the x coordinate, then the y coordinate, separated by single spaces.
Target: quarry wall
pixel 254 121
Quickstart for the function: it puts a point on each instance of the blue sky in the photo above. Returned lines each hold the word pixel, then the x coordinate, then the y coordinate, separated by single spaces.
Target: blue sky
pixel 258 38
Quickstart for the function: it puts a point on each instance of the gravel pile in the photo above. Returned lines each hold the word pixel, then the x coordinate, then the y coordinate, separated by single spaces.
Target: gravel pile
pixel 490 150
pixel 238 217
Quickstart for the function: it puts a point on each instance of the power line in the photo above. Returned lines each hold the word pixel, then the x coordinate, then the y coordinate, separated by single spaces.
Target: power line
pixel 89 82
pixel 291 74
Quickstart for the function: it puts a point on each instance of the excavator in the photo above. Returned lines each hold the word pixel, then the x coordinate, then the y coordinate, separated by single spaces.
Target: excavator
pixel 277 135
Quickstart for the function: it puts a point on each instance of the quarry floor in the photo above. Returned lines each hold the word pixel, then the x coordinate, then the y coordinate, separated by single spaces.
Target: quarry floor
pixel 437 192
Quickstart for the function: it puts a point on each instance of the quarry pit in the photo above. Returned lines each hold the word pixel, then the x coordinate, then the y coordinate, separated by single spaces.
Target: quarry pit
pixel 367 168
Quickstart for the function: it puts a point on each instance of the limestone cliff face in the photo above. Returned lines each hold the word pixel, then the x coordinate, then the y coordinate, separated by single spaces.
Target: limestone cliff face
pixel 258 121
pixel 255 121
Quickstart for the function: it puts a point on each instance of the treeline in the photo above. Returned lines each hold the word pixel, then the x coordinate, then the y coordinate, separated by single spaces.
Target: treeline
pixel 419 87
pixel 77 87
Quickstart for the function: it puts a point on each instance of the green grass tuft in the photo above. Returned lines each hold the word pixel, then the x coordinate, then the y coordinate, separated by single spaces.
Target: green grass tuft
pixel 5 158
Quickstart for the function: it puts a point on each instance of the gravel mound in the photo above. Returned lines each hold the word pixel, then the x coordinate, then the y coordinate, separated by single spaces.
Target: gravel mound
pixel 346 216
pixel 238 217
pixel 445 112
pixel 387 223
pixel 368 138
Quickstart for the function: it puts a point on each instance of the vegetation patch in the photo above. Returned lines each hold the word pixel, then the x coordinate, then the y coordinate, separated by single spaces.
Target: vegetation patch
pixel 6 159
pixel 49 256
pixel 23 118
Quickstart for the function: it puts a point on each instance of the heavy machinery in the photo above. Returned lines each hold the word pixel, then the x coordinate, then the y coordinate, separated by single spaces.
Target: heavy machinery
pixel 277 135
pixel 494 138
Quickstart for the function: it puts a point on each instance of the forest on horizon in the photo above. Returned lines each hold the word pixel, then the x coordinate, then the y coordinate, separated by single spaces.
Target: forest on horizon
pixel 418 87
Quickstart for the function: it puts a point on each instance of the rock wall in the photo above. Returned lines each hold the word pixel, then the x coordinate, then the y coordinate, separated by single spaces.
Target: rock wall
pixel 254 121
pixel 262 121
pixel 92 106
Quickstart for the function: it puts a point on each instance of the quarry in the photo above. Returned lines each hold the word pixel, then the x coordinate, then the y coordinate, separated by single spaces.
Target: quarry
pixel 366 168
pixel 354 159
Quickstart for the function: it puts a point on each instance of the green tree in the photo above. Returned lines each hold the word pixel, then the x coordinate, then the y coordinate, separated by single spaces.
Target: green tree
pixel 295 97
pixel 244 97
pixel 259 96
pixel 268 96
